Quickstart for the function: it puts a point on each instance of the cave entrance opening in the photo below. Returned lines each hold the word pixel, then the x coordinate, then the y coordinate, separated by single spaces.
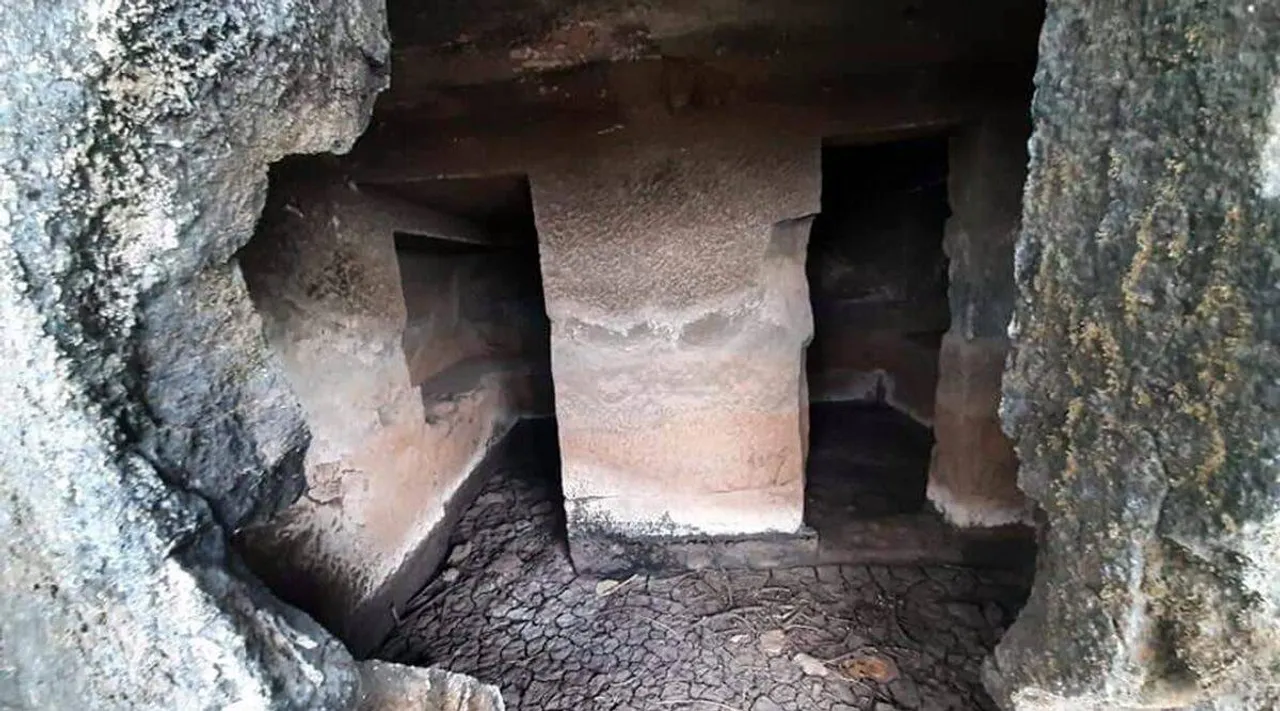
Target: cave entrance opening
pixel 878 289
pixel 638 169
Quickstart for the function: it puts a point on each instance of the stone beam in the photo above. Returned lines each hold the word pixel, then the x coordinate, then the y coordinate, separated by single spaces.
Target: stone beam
pixel 399 215
pixel 476 43
pixel 511 127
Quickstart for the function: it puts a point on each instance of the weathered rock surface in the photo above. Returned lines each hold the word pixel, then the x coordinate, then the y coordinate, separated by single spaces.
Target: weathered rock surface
pixel 395 687
pixel 479 42
pixel 973 475
pixel 141 418
pixel 1142 392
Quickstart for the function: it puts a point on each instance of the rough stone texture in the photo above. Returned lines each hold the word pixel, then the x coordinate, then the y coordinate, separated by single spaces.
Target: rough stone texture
pixel 510 611
pixel 456 43
pixel 141 418
pixel 1142 391
pixel 387 454
pixel 393 687
pixel 973 478
pixel 674 279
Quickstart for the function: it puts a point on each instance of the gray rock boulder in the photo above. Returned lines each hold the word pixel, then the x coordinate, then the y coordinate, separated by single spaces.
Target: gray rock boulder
pixel 141 419
pixel 1142 390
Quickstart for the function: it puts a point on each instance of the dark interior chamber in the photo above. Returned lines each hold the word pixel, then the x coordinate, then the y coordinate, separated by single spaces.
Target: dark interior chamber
pixel 878 287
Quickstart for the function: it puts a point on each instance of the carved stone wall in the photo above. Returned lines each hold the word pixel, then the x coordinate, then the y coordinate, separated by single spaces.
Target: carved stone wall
pixel 406 380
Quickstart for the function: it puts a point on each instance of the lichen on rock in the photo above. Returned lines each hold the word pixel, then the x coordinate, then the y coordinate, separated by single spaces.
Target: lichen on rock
pixel 1141 392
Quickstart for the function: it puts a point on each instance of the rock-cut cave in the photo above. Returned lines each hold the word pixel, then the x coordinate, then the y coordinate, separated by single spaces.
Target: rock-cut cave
pixel 719 355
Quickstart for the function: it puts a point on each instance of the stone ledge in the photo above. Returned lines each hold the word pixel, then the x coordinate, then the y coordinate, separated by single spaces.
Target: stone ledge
pixel 371 621
pixel 914 539
pixel 605 555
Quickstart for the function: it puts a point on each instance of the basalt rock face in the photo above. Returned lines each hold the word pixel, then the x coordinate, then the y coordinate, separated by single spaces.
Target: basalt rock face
pixel 1142 390
pixel 142 416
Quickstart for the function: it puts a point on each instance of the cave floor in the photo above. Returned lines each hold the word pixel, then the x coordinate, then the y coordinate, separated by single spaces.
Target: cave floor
pixel 509 610
pixel 865 461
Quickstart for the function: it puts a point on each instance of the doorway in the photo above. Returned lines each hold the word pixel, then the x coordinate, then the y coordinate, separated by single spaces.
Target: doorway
pixel 878 289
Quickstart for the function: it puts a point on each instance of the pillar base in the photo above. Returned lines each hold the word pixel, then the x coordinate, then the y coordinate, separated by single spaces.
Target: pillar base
pixel 973 480
pixel 614 556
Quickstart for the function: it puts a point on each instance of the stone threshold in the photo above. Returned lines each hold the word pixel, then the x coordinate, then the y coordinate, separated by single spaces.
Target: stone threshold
pixel 914 539
pixel 606 556
pixel 925 539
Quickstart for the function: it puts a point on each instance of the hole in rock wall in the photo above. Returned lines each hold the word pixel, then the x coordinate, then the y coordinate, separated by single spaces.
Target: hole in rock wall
pixel 475 309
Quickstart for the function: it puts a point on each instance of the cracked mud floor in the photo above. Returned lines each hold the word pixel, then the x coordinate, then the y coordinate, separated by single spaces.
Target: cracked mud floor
pixel 509 610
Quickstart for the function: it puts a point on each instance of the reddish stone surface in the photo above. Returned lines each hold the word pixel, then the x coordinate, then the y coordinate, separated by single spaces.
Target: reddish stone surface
pixel 973 478
pixel 674 277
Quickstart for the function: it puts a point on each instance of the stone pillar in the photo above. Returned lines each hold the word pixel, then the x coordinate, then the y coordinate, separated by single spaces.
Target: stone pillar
pixel 973 477
pixel 673 268
pixel 1142 391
